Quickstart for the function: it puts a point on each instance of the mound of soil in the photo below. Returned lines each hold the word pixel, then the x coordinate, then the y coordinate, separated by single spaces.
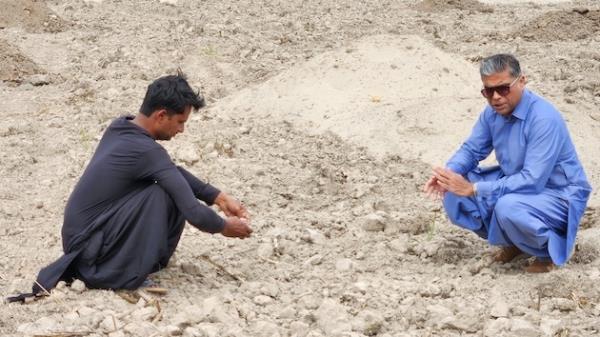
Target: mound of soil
pixel 14 64
pixel 463 5
pixel 32 15
pixel 562 25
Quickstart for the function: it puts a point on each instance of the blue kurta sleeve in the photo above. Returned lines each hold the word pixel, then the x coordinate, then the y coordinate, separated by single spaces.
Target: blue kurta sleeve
pixel 544 140
pixel 157 165
pixel 475 149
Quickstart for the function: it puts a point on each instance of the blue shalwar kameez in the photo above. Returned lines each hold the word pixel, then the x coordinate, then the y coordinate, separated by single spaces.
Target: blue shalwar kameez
pixel 535 198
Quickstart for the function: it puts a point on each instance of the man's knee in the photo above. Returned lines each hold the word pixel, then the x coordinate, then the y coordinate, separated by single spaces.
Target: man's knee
pixel 508 208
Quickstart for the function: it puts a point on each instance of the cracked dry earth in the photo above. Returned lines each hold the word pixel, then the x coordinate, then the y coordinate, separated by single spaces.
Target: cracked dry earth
pixel 324 118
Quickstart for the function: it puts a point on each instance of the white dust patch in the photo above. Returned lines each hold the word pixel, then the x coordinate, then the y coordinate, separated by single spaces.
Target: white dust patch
pixel 390 94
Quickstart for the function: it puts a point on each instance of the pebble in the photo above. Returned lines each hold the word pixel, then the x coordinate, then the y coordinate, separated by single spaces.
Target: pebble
pixel 564 304
pixel 299 329
pixel 208 330
pixel 218 311
pixel 523 328
pixel 187 154
pixel 262 300
pixel 191 268
pixel 267 329
pixel 172 330
pixel 314 236
pixel 369 322
pixel 314 260
pixel 265 250
pixel 344 265
pixel 332 318
pixel 110 324
pixel 78 286
pixel 118 333
pixel 145 314
pixel 373 223
pixel 499 308
pixel 289 312
pixel 495 327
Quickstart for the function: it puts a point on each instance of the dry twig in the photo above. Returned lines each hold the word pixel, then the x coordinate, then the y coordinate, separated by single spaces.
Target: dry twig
pixel 221 268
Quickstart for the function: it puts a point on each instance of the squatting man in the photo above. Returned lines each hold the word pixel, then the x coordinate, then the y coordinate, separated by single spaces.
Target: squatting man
pixel 126 214
pixel 533 200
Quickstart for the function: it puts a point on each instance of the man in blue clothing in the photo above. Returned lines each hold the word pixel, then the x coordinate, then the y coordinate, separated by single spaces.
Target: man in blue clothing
pixel 533 200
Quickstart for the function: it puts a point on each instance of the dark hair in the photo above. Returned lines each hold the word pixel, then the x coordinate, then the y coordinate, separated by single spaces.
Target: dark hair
pixel 172 93
pixel 499 63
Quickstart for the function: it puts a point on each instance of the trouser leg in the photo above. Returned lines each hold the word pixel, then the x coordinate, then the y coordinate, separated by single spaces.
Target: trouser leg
pixel 138 239
pixel 535 223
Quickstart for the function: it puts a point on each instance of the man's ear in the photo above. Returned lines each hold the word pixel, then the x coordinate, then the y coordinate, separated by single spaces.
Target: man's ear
pixel 160 115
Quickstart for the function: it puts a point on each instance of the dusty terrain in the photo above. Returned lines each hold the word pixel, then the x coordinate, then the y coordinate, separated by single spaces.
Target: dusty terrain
pixel 324 118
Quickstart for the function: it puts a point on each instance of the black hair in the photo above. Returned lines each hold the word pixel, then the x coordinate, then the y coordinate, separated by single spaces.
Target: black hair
pixel 172 93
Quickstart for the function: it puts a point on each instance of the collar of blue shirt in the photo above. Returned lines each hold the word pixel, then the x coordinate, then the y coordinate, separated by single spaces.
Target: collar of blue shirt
pixel 522 109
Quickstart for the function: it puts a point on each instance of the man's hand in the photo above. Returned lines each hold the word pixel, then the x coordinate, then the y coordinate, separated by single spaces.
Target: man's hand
pixel 453 182
pixel 236 228
pixel 231 206
pixel 433 189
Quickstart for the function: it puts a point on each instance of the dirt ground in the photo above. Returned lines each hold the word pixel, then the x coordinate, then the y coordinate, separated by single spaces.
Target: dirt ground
pixel 324 118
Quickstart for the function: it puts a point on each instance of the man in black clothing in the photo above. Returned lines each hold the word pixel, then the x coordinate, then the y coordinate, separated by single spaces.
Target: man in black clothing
pixel 126 214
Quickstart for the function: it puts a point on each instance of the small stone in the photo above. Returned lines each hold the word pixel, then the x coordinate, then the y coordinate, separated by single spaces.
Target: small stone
pixel 208 330
pixel 145 314
pixel 288 312
pixel 188 154
pixel 262 300
pixel 332 318
pixel 314 260
pixel 361 286
pixel 168 2
pixel 265 250
pixel 437 314
pixel 61 285
pixel 110 324
pixel 270 289
pixel 118 333
pixel 549 326
pixel 190 268
pixel 373 223
pixel 172 330
pixel 523 328
pixel 399 245
pixel 370 322
pixel 192 332
pixel 264 328
pixel 78 286
pixel 38 80
pixel 313 236
pixel 564 304
pixel 299 329
pixel 499 309
pixel 344 265
pixel 494 328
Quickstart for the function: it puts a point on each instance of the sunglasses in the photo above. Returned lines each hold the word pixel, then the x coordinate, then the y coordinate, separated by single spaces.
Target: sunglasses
pixel 502 90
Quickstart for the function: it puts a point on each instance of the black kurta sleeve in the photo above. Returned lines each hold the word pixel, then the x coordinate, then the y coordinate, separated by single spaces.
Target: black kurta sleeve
pixel 157 165
pixel 203 191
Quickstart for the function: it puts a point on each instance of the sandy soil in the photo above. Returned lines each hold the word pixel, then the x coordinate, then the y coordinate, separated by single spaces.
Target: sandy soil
pixel 324 118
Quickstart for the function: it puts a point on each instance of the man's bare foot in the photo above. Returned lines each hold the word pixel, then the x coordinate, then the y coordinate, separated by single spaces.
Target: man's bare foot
pixel 539 266
pixel 507 254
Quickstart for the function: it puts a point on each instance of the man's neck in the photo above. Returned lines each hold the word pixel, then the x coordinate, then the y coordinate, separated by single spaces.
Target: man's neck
pixel 143 122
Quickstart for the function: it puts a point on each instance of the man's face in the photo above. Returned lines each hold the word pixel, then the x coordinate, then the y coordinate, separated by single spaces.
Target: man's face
pixel 495 87
pixel 169 126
